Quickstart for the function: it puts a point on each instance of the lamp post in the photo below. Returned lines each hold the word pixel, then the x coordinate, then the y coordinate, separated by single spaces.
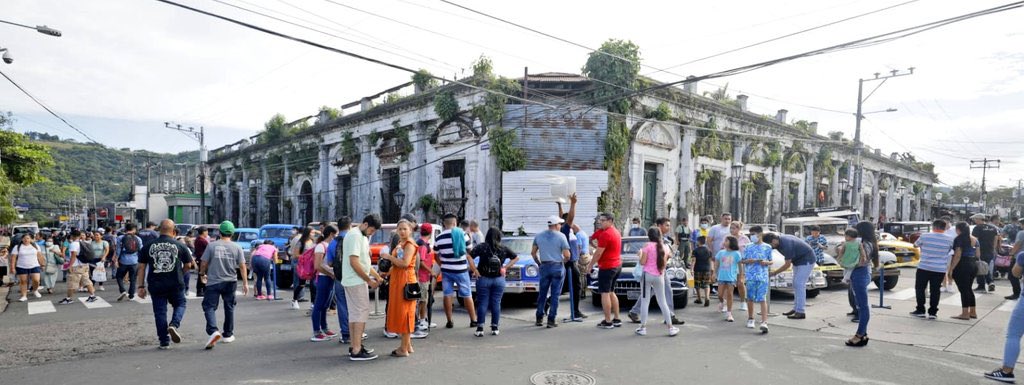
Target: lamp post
pixel 39 28
pixel 938 198
pixel 399 198
pixel 200 135
pixel 737 172
pixel 899 201
pixel 843 185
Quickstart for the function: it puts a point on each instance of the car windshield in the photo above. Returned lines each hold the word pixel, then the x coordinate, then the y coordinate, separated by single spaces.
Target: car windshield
pixel 922 228
pixel 183 229
pixel 381 236
pixel 244 237
pixel 275 233
pixel 835 229
pixel 519 246
pixel 633 246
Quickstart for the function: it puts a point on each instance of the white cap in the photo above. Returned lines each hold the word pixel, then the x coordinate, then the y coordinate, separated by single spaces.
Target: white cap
pixel 555 220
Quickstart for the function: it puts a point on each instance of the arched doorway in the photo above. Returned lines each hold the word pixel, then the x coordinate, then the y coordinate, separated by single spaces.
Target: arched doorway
pixel 306 203
pixel 235 206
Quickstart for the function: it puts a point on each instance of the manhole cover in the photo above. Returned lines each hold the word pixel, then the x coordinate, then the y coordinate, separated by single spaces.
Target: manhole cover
pixel 562 377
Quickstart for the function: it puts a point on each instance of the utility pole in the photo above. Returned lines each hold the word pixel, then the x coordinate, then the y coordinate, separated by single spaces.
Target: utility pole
pixel 200 135
pixel 95 210
pixel 858 175
pixel 984 166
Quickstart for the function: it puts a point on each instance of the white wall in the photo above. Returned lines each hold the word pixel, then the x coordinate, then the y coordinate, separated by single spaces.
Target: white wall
pixel 520 209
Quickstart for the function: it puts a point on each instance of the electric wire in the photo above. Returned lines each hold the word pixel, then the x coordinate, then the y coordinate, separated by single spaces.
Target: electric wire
pixel 47 108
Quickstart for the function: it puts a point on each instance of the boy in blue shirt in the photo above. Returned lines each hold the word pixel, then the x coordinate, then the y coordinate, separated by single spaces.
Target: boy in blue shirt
pixel 757 258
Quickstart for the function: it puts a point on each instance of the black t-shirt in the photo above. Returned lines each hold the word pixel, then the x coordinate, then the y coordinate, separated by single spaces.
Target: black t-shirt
pixel 485 252
pixel 165 258
pixel 702 259
pixel 964 243
pixel 986 235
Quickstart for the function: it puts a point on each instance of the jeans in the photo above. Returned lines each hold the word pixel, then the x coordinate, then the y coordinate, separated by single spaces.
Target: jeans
pixel 550 286
pixel 669 301
pixel 119 276
pixel 323 286
pixel 800 275
pixel 262 268
pixel 160 301
pixel 653 286
pixel 211 300
pixel 932 280
pixel 1014 331
pixel 574 285
pixel 488 298
pixel 1014 281
pixel 859 284
pixel 987 279
pixel 342 305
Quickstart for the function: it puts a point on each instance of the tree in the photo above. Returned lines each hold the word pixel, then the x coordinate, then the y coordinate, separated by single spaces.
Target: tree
pixel 721 95
pixel 332 113
pixel 22 165
pixel 274 129
pixel 616 65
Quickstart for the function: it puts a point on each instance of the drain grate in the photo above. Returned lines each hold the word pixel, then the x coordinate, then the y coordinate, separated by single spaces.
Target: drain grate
pixel 562 377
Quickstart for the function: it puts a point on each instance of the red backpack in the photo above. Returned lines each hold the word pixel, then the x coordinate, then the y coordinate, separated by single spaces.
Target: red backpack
pixel 305 268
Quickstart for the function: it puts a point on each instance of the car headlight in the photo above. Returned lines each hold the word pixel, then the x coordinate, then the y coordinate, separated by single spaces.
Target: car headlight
pixel 531 271
pixel 676 274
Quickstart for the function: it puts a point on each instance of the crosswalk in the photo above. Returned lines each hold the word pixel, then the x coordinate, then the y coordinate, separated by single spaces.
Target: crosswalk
pixel 44 307
pixel 950 299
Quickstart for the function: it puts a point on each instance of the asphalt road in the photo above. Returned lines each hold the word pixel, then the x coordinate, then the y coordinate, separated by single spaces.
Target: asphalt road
pixel 78 345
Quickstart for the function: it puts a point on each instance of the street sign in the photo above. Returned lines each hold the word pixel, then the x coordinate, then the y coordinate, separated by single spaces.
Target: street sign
pixel 119 218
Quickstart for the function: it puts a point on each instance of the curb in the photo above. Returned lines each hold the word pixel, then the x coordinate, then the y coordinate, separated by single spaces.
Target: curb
pixel 4 292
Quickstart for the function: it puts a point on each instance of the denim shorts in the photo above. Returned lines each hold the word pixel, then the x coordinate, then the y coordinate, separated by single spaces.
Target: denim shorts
pixel 720 283
pixel 606 280
pixel 20 271
pixel 449 280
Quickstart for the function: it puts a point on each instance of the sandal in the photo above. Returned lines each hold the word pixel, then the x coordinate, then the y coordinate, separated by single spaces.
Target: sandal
pixel 394 353
pixel 860 341
pixel 962 318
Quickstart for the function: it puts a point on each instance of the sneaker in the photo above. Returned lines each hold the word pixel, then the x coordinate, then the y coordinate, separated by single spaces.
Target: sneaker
pixel 36 294
pixel 764 328
pixel 729 318
pixel 633 317
pixel 295 305
pixel 479 332
pixel 319 337
pixel 743 306
pixel 605 325
pixel 494 331
pixel 1012 297
pixel 65 301
pixel 164 347
pixel 330 334
pixel 363 355
pixel 261 297
pixel 366 349
pixel 92 298
pixel 677 321
pixel 102 289
pixel 980 288
pixel 131 297
pixel 390 335
pixel 617 323
pixel 540 321
pixel 122 297
pixel 750 323
pixel 228 340
pixel 641 331
pixel 422 325
pixel 23 299
pixel 998 375
pixel 991 287
pixel 721 307
pixel 918 314
pixel 707 303
pixel 673 331
pixel 214 338
pixel 931 316
pixel 173 331
pixel 419 334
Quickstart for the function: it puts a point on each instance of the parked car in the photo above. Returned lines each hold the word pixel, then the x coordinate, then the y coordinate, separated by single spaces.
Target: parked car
pixel 382 238
pixel 243 237
pixel 212 230
pixel 833 229
pixel 627 288
pixel 907 231
pixel 905 252
pixel 783 282
pixel 184 228
pixel 524 278
pixel 279 233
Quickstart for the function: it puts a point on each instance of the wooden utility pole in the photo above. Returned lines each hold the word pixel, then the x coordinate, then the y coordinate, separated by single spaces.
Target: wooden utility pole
pixel 984 164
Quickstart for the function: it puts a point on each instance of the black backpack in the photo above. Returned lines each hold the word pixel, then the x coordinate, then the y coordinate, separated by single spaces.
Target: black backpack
pixel 336 263
pixel 490 261
pixel 130 244
pixel 85 254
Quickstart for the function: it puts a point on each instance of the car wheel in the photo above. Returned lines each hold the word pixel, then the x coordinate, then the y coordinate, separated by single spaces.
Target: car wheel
pixel 890 282
pixel 813 293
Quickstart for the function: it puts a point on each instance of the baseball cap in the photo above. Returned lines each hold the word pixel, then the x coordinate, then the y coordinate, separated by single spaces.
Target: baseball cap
pixel 426 229
pixel 227 228
pixel 555 220
pixel 979 216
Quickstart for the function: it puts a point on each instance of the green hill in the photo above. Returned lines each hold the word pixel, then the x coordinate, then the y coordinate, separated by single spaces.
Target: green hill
pixel 79 165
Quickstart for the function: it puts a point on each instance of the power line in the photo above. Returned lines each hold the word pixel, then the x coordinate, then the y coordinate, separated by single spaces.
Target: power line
pixel 41 104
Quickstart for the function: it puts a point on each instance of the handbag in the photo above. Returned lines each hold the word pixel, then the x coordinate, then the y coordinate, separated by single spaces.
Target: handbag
pixel 982 268
pixel 99 274
pixel 412 291
pixel 1004 261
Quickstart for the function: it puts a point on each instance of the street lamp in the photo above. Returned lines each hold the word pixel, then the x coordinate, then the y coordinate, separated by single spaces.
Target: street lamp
pixel 399 198
pixel 843 185
pixel 737 172
pixel 39 28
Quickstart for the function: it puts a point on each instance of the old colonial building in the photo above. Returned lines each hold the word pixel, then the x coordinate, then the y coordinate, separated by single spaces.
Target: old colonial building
pixel 686 155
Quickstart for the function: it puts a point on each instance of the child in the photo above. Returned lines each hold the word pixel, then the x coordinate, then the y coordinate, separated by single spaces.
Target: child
pixel 703 265
pixel 852 252
pixel 756 261
pixel 729 268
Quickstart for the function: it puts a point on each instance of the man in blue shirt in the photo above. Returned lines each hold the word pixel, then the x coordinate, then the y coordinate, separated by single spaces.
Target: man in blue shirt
pixel 799 255
pixel 818 244
pixel 551 252
pixel 344 224
pixel 126 260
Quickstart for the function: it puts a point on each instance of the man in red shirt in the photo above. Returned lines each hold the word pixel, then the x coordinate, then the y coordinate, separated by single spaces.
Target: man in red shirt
pixel 608 257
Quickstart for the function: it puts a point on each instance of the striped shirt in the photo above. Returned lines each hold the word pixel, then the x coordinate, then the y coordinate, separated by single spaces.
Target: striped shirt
pixel 450 263
pixel 934 251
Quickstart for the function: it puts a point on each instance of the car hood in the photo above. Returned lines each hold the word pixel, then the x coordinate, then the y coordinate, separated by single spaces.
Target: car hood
pixel 894 243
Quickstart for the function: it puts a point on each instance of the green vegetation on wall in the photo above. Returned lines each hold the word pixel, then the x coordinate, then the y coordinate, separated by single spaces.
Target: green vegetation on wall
pixel 504 145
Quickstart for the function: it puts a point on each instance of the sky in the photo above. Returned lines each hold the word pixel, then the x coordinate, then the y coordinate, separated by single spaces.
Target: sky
pixel 123 68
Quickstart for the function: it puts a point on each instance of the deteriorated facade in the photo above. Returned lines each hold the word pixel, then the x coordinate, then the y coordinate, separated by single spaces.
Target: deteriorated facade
pixel 696 156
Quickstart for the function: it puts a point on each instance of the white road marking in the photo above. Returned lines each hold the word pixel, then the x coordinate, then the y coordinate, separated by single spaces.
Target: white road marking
pixel 902 295
pixel 1007 306
pixel 99 303
pixel 953 300
pixel 40 307
pixel 823 367
pixel 948 363
pixel 745 355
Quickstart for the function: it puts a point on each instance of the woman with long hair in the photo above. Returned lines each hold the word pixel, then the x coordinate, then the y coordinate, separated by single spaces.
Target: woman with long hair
pixel 490 286
pixel 869 241
pixel 653 258
pixel 322 286
pixel 965 269
pixel 27 260
pixel 859 279
pixel 305 242
pixel 401 311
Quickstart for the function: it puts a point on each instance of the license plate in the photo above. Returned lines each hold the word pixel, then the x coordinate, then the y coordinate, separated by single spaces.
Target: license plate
pixel 286 267
pixel 633 294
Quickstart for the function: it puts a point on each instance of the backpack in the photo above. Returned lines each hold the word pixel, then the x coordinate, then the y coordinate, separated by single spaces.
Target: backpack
pixel 130 244
pixel 490 262
pixel 85 254
pixel 305 268
pixel 336 262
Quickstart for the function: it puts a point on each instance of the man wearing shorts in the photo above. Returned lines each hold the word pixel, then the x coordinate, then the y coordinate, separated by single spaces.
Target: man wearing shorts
pixel 608 257
pixel 456 265
pixel 358 278
pixel 78 273
pixel 757 259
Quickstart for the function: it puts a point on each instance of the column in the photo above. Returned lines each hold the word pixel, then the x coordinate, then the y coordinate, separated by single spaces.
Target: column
pixel 686 177
pixel 810 184
pixel 322 200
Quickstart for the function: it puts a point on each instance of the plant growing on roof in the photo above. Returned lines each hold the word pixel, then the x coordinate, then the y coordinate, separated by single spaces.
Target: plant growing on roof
pixel 403 145
pixel 504 145
pixel 662 113
pixel 424 80
pixel 392 97
pixel 492 110
pixel 721 95
pixel 446 106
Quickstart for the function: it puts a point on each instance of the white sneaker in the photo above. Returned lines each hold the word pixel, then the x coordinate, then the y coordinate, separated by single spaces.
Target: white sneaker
pixel 750 324
pixel 764 328
pixel 721 307
pixel 102 289
pixel 228 340
pixel 729 318
pixel 295 305
pixel 672 331
pixel 388 334
pixel 36 294
pixel 419 334
pixel 641 331
pixel 743 306
pixel 23 299
pixel 214 338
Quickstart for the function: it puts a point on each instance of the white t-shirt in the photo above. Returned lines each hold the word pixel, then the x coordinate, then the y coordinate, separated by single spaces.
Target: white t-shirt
pixel 73 249
pixel 26 256
pixel 321 248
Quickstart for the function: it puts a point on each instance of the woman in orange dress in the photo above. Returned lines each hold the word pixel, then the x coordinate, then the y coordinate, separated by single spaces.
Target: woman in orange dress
pixel 401 311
